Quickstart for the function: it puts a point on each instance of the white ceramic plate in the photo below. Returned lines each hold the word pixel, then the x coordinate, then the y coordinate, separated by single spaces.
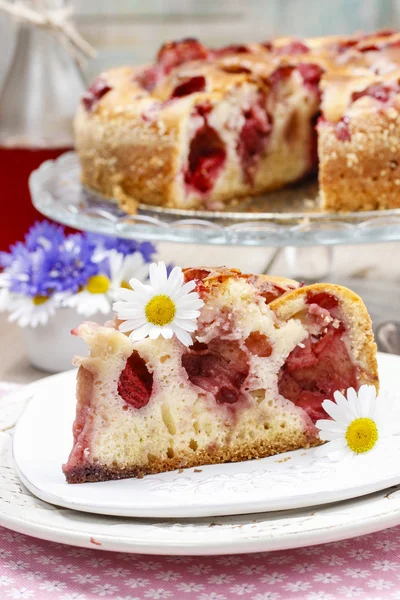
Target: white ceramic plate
pixel 43 439
pixel 25 513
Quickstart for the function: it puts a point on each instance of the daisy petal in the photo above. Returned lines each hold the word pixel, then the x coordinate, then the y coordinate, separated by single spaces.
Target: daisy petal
pixel 158 276
pixel 185 324
pixel 335 446
pixel 187 303
pixel 167 333
pixel 330 425
pixel 126 295
pixel 367 398
pixel 141 333
pixel 353 403
pixel 155 331
pixel 183 336
pixel 188 314
pixel 328 436
pixel 131 324
pixel 175 281
pixel 344 406
pixel 139 288
pixel 336 412
pixel 186 288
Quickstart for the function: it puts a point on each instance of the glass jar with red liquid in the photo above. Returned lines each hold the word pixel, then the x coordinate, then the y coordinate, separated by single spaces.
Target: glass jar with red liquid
pixel 38 99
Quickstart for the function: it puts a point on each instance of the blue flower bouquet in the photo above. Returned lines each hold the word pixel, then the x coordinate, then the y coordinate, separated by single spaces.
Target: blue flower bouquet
pixel 53 280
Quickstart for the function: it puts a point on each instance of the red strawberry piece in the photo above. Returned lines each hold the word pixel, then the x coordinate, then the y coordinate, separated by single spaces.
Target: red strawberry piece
pixel 295 47
pixel 190 86
pixel 135 382
pixel 96 91
pixel 173 54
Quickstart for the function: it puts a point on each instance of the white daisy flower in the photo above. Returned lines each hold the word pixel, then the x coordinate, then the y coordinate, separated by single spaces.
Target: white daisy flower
pixel 100 290
pixel 5 295
pixel 123 268
pixel 32 312
pixel 359 423
pixel 6 298
pixel 166 307
pixel 93 298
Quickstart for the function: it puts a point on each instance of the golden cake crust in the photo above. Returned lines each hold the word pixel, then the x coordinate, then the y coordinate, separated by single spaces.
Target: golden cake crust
pixel 362 173
pixel 132 141
pixel 237 453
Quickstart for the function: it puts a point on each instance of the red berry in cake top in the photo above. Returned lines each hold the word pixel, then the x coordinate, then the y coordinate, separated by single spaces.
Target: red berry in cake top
pixel 190 86
pixel 173 54
pixel 342 130
pixel 148 78
pixel 97 90
pixel 267 45
pixel 311 74
pixel 369 48
pixel 232 49
pixel 295 47
pixel 383 93
pixel 384 32
pixel 344 45
pixel 280 74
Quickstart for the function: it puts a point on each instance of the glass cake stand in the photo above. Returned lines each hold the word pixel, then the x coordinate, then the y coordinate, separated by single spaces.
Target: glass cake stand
pixel 289 217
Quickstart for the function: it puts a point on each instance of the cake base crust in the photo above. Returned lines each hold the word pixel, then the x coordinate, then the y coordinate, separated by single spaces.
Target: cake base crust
pixel 93 472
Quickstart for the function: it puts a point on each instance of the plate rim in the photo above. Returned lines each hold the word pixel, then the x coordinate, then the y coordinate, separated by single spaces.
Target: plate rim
pixel 250 544
pixel 182 511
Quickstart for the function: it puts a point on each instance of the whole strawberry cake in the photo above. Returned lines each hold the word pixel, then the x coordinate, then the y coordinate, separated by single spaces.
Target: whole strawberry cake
pixel 201 127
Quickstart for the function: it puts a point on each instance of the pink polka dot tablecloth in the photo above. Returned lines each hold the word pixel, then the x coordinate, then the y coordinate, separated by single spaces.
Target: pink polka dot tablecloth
pixel 366 567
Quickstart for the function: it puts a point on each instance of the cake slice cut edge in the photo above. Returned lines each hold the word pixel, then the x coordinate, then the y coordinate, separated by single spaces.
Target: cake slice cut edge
pixel 266 353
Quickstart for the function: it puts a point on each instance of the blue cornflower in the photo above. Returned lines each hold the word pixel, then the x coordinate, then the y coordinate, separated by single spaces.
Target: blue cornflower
pixel 49 261
pixel 125 247
pixel 73 265
pixel 5 259
pixel 28 272
pixel 44 234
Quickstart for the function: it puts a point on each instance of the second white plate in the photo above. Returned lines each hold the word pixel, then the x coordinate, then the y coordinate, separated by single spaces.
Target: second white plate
pixel 43 439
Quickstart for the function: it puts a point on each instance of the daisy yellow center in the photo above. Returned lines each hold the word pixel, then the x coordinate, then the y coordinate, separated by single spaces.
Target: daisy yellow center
pixel 362 435
pixel 125 284
pixel 38 300
pixel 160 310
pixel 98 284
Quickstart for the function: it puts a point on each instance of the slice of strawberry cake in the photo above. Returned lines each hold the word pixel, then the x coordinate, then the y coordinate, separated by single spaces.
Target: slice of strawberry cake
pixel 261 356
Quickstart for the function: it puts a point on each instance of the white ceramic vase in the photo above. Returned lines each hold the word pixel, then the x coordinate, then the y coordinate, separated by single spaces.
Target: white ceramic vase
pixel 51 347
